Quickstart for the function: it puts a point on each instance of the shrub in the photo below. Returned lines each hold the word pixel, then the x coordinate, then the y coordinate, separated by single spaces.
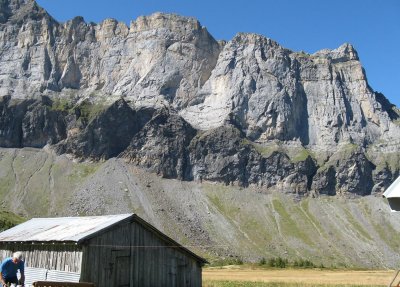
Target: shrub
pixel 227 261
pixel 303 263
pixel 278 262
pixel 61 104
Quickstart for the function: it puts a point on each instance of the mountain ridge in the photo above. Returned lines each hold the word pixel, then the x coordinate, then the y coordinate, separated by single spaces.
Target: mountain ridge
pixel 95 90
pixel 240 149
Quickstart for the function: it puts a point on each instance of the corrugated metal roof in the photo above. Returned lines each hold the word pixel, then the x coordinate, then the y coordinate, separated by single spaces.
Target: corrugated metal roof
pixel 73 229
pixel 77 229
pixel 62 276
pixel 34 274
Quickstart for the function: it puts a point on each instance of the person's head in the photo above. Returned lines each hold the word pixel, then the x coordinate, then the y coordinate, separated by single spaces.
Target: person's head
pixel 17 257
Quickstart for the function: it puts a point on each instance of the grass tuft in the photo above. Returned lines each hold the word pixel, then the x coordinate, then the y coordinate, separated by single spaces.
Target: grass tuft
pixel 87 111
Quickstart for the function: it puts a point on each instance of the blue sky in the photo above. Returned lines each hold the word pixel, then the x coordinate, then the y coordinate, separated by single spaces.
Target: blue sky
pixel 371 26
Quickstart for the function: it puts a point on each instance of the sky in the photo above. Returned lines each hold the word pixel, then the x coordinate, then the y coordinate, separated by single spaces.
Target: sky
pixel 371 26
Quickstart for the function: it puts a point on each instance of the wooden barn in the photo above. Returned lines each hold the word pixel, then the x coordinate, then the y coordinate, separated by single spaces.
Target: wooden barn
pixel 113 251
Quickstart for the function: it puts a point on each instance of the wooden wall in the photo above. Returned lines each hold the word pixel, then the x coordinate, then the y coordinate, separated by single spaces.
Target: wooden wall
pixel 97 263
pixel 155 263
pixel 63 257
pixel 130 255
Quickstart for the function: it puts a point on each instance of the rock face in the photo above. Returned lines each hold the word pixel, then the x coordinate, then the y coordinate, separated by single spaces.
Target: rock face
pixel 162 145
pixel 273 93
pixel 162 59
pixel 166 96
pixel 30 123
pixel 106 135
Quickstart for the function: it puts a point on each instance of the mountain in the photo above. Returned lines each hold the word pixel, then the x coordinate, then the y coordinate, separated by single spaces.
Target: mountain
pixel 165 97
pixel 215 220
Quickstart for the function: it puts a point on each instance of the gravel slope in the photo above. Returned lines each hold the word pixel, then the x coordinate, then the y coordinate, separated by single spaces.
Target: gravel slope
pixel 212 219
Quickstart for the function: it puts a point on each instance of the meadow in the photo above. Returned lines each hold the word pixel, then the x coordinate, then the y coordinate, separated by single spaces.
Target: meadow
pixel 231 276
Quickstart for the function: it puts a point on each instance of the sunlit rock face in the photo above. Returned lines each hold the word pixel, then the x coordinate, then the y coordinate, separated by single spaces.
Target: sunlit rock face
pixel 158 60
pixel 163 94
pixel 273 93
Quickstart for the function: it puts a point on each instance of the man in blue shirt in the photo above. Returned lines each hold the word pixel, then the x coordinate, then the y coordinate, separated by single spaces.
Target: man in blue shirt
pixel 9 268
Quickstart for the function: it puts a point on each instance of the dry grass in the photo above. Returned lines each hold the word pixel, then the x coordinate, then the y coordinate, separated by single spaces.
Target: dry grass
pixel 236 276
pixel 274 284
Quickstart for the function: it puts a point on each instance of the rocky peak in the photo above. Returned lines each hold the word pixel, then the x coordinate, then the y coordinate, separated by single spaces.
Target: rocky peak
pixel 19 11
pixel 171 22
pixel 12 6
pixel 256 40
pixel 345 52
pixel 110 28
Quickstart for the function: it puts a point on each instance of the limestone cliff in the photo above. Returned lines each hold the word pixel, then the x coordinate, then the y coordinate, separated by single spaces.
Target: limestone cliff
pixel 166 96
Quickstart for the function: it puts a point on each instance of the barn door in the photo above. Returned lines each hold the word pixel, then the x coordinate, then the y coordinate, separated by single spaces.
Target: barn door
pixel 121 268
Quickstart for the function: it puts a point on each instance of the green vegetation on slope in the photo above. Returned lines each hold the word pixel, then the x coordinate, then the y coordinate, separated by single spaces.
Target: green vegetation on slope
pixel 357 226
pixel 7 177
pixel 288 225
pixel 266 149
pixel 301 155
pixel 9 219
pixel 82 171
pixel 323 231
pixel 386 231
pixel 295 153
pixel 88 111
pixel 62 105
pixel 40 182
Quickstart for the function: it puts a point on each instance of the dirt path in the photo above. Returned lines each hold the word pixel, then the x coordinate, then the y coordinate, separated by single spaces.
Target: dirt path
pixel 296 275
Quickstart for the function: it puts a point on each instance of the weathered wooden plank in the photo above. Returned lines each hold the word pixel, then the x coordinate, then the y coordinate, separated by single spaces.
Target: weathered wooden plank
pixel 49 256
pixel 85 270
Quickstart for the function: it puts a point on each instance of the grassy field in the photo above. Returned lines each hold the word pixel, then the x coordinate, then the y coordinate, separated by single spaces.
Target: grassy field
pixel 257 277
pixel 275 284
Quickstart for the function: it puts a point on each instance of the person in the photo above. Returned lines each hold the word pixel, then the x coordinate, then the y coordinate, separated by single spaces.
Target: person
pixel 9 268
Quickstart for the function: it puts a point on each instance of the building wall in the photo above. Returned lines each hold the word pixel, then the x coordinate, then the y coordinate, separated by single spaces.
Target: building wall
pixel 130 255
pixel 63 257
pixel 98 264
pixel 157 264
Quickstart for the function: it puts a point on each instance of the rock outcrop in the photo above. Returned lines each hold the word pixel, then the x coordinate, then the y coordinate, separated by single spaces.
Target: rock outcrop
pixel 162 146
pixel 166 96
pixel 30 122
pixel 102 135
